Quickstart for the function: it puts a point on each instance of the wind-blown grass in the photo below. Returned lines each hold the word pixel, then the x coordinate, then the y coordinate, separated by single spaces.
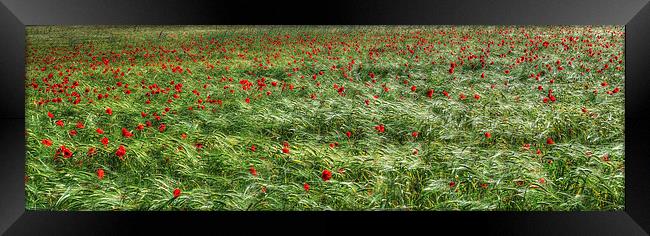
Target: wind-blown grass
pixel 450 165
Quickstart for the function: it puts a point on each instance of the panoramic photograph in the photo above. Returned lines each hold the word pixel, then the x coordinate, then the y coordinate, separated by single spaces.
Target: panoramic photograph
pixel 325 118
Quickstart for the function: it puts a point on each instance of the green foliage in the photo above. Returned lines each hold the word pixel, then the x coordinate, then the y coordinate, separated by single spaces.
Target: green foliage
pixel 583 170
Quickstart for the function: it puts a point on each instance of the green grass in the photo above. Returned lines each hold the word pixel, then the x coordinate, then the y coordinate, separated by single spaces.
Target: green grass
pixel 371 170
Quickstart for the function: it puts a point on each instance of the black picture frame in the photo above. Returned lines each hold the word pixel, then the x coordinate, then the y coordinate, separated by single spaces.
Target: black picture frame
pixel 15 15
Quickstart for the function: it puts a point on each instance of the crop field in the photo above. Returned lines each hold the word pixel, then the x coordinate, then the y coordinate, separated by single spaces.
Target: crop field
pixel 279 118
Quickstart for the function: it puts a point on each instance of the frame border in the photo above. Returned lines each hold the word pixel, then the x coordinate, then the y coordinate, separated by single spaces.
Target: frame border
pixel 15 15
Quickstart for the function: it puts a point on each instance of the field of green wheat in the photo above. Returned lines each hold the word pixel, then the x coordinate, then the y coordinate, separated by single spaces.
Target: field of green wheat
pixel 508 118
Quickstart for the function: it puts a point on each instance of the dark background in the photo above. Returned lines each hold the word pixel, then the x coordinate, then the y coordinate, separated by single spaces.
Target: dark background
pixel 333 12
pixel 15 14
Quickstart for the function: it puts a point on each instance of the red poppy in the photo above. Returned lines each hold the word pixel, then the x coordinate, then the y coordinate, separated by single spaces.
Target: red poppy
pixel 452 184
pixel 104 141
pixel 109 111
pixel 285 150
pixel 99 131
pixel 100 173
pixel 73 132
pixel 49 114
pixel 80 125
pixel 415 134
pixel 253 171
pixel 487 135
pixel 162 127
pixel 430 93
pixel 177 193
pixel 413 88
pixel 126 133
pixel 381 128
pixel 348 134
pixel 183 136
pixel 476 96
pixel 326 175
pixel 65 151
pixel 253 148
pixel 59 123
pixel 541 180
pixel 550 141
pixel 47 142
pixel 604 84
pixel 248 100
pixel 616 90
pixel 140 127
pixel 121 151
pixel 605 157
pixel 306 187
pixel 584 110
